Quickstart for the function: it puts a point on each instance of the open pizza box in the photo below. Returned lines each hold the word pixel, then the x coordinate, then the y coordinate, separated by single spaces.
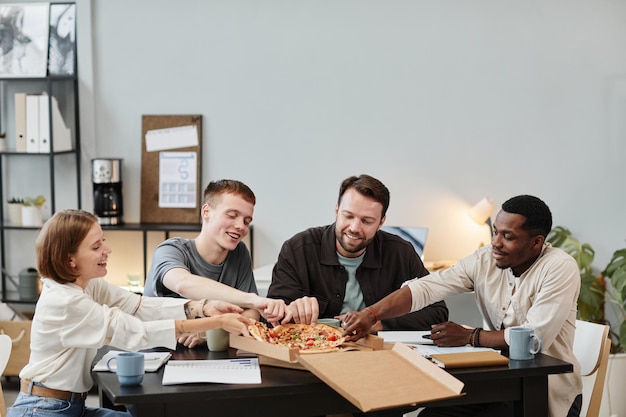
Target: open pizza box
pixel 275 355
pixel 409 379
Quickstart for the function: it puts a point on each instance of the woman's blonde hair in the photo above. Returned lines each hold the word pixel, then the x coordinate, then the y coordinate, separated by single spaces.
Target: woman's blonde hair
pixel 59 238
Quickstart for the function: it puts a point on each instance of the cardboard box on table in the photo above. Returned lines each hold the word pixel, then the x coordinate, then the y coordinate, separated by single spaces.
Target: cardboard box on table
pixel 281 356
pixel 409 378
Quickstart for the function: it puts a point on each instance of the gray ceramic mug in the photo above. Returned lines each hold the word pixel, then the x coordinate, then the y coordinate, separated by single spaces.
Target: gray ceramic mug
pixel 523 343
pixel 129 367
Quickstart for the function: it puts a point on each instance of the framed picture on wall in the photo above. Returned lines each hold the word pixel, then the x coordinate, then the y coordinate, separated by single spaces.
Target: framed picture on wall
pixel 62 51
pixel 24 39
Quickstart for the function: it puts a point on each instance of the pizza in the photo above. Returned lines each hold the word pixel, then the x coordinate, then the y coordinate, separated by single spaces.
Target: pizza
pixel 320 338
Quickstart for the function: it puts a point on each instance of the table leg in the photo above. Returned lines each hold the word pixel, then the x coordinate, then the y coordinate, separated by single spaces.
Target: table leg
pixel 534 401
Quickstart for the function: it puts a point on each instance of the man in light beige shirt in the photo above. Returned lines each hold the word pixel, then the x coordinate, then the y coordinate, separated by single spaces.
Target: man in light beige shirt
pixel 519 280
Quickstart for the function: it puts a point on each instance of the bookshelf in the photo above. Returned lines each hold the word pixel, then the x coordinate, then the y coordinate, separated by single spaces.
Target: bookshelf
pixel 40 123
pixel 49 164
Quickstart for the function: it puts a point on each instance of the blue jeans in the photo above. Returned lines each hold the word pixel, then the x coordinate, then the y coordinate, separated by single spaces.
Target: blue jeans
pixel 34 406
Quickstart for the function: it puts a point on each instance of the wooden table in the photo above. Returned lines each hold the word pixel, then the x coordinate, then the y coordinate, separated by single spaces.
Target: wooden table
pixel 292 393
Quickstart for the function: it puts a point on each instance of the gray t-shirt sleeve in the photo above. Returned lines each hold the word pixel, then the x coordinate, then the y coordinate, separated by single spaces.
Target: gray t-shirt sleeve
pixel 236 271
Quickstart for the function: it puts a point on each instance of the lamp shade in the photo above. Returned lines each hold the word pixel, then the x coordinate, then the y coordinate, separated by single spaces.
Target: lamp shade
pixel 481 211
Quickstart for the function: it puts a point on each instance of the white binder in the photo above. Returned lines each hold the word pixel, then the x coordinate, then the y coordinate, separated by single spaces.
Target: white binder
pixel 44 124
pixel 20 122
pixel 32 123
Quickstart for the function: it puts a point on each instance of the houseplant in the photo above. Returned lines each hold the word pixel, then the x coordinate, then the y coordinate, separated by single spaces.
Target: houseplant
pixel 15 210
pixel 592 286
pixel 600 289
pixel 615 293
pixel 31 210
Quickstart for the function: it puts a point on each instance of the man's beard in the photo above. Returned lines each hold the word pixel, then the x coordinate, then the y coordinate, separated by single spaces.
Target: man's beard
pixel 350 248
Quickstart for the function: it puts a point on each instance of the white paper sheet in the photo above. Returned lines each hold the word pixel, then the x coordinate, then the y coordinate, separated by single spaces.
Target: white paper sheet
pixel 171 138
pixel 224 371
pixel 177 179
pixel 406 336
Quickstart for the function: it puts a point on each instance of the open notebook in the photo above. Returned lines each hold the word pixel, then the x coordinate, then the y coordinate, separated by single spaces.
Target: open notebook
pixel 153 360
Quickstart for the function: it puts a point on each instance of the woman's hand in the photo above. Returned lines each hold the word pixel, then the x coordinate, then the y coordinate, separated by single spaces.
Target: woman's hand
pixel 217 307
pixel 235 323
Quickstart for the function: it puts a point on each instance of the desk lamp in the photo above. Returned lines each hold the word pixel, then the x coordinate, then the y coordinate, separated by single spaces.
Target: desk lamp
pixel 481 213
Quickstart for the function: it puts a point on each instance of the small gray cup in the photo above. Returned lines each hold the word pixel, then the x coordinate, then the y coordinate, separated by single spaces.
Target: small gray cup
pixel 129 368
pixel 523 343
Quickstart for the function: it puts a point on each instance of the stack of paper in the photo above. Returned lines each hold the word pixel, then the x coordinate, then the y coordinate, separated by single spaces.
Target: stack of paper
pixel 225 371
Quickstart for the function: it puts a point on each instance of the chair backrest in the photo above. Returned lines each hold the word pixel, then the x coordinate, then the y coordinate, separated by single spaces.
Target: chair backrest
pixel 5 352
pixel 592 347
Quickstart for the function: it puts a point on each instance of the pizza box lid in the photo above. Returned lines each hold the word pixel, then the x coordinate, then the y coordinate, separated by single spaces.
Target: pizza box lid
pixel 291 355
pixel 357 375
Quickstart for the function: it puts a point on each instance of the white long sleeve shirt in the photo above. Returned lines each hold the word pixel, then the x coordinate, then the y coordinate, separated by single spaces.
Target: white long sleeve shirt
pixel 70 325
pixel 543 298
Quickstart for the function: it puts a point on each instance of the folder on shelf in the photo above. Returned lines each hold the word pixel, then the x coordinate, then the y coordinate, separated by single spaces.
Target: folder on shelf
pixel 32 123
pixel 20 122
pixel 61 134
pixel 44 124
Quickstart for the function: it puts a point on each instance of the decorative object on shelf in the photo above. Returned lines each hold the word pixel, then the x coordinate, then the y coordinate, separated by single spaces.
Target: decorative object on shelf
pixel 62 53
pixel 15 211
pixel 28 284
pixel 24 47
pixel 31 211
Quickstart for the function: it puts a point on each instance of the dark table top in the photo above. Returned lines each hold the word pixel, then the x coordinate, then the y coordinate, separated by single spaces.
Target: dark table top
pixel 285 385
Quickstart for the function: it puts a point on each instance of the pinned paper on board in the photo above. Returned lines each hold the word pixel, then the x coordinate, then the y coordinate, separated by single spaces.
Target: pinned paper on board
pixel 171 138
pixel 177 179
pixel 171 155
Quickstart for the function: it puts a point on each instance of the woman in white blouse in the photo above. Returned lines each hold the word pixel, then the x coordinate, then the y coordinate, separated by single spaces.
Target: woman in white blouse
pixel 78 312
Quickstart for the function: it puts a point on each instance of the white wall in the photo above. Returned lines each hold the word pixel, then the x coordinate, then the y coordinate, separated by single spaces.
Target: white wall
pixel 444 101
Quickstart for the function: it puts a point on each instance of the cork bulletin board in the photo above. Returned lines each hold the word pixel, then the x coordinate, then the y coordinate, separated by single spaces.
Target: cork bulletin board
pixel 170 140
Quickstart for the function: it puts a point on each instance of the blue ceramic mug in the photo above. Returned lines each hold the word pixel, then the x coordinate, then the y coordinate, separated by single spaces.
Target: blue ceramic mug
pixel 129 367
pixel 523 343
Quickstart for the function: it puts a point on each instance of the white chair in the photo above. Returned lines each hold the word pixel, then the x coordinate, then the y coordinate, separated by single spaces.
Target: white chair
pixel 592 347
pixel 5 352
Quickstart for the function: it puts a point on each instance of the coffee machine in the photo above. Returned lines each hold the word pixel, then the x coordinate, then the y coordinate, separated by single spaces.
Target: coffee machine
pixel 106 175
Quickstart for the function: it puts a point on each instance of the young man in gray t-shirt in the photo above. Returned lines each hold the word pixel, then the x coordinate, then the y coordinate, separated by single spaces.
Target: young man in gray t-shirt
pixel 216 265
